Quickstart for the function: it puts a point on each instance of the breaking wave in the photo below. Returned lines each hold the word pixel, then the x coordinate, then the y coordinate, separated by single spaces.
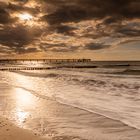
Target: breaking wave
pixel 111 92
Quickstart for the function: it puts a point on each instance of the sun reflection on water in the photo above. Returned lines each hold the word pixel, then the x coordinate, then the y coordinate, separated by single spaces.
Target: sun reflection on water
pixel 24 98
pixel 24 103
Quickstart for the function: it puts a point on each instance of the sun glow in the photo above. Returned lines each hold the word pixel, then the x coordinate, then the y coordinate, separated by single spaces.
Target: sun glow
pixel 25 16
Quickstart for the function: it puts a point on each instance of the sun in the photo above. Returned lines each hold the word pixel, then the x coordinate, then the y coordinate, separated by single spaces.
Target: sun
pixel 25 17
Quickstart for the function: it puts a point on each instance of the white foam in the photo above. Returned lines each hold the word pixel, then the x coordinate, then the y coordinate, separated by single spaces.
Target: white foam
pixel 118 98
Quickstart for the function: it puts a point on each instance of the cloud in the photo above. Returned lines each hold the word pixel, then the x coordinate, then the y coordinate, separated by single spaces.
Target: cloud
pixel 63 29
pixel 18 37
pixel 75 11
pixel 131 29
pixel 96 46
pixel 22 8
pixel 112 20
pixel 4 14
pixel 72 14
pixel 68 25
pixel 60 47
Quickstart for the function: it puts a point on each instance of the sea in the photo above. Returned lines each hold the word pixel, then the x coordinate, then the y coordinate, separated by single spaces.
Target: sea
pixel 109 88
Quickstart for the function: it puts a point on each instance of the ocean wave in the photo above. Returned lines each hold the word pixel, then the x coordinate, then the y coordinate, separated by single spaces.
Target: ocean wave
pixel 114 97
pixel 102 83
pixel 85 81
pixel 129 72
pixel 116 65
pixel 40 75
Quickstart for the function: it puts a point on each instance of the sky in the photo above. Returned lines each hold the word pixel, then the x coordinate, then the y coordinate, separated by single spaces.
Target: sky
pixel 96 29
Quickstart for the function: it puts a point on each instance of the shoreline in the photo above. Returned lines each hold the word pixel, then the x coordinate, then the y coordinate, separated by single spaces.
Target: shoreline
pixel 55 121
pixel 103 128
pixel 9 131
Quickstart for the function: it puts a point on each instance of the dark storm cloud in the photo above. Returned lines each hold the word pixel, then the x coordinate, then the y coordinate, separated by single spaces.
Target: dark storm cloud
pixel 112 20
pixel 63 29
pixel 112 13
pixel 22 8
pixel 16 38
pixel 62 15
pixel 4 14
pixel 96 46
pixel 77 10
pixel 68 24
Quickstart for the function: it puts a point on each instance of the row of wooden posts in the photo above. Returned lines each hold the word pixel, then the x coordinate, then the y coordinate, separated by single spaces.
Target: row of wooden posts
pixel 24 68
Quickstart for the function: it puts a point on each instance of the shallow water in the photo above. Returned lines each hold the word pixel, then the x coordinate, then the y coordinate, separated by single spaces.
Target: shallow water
pixel 106 91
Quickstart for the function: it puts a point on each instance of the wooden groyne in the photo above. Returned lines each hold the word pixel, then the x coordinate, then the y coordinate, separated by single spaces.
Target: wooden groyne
pixel 41 68
pixel 25 68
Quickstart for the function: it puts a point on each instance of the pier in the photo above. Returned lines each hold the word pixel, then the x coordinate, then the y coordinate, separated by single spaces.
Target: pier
pixel 45 60
pixel 58 63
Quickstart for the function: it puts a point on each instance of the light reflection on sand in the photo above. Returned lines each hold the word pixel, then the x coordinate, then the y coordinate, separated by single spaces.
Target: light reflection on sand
pixel 24 102
pixel 21 117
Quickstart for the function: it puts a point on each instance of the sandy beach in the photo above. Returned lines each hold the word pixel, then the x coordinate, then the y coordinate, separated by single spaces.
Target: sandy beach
pixel 9 131
pixel 38 117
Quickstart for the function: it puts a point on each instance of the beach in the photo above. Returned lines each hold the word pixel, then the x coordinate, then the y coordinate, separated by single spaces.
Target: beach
pixel 100 103
pixel 9 131
pixel 54 121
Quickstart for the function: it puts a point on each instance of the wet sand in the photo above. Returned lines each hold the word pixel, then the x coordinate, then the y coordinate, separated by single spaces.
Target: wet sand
pixel 9 131
pixel 42 117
